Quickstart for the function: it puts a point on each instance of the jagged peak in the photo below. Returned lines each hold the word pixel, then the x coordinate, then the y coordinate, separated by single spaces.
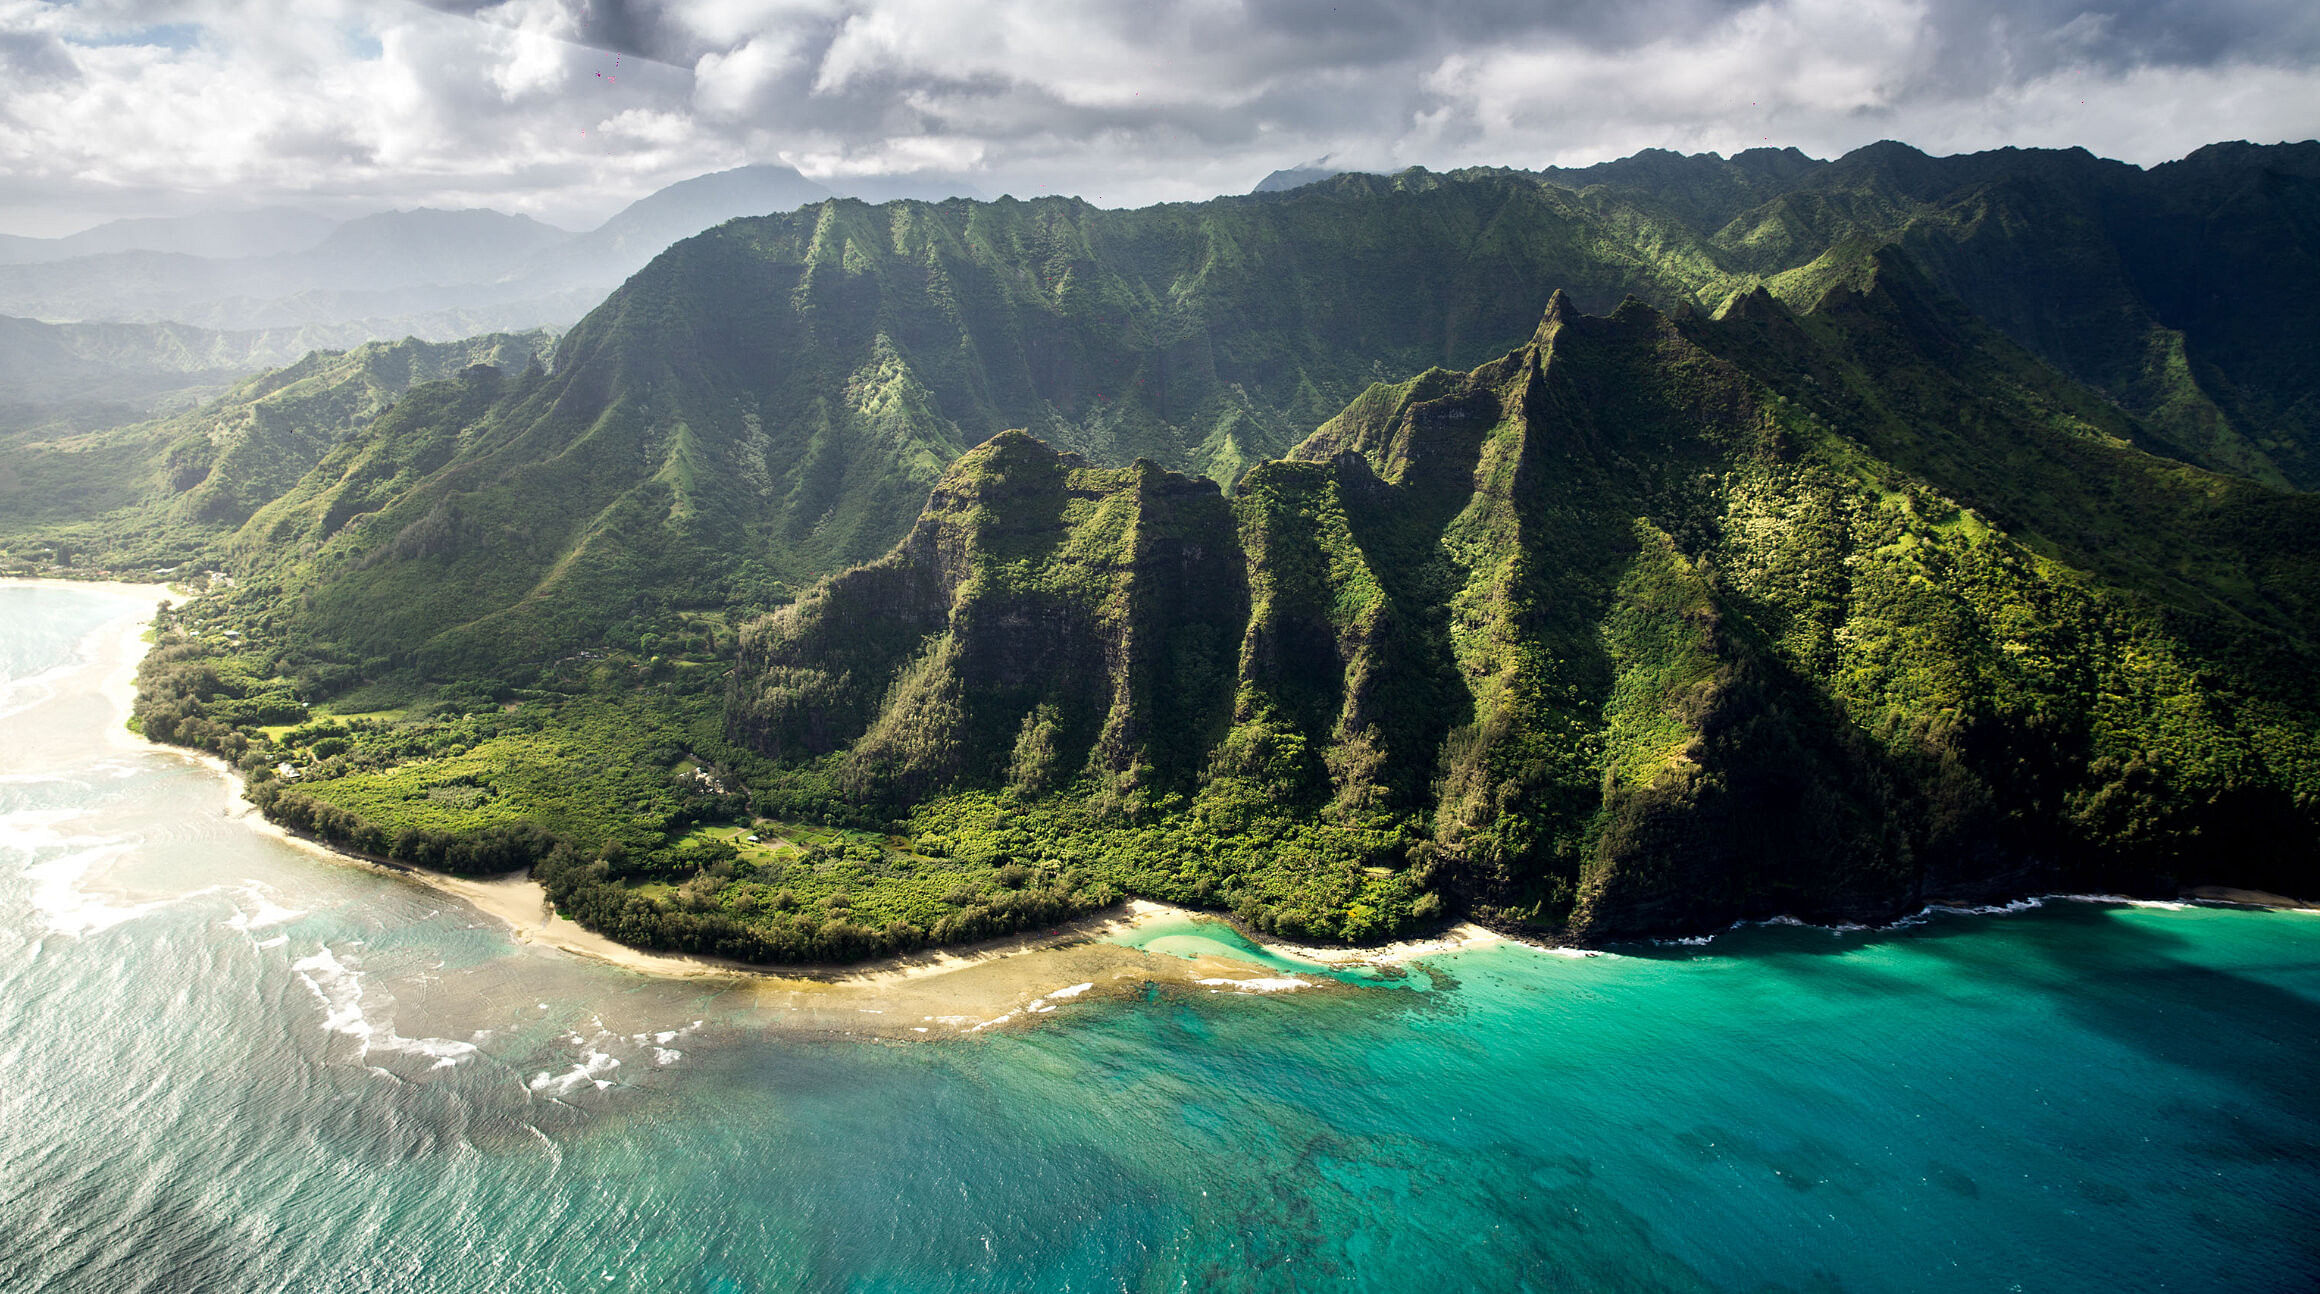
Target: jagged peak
pixel 1014 442
pixel 1561 311
pixel 1754 305
pixel 1635 310
pixel 1023 459
pixel 1563 314
pixel 1886 150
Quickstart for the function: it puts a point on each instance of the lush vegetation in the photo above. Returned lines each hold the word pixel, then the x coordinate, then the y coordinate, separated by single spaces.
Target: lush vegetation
pixel 1606 637
pixel 80 492
pixel 609 776
pixel 1883 554
pixel 769 402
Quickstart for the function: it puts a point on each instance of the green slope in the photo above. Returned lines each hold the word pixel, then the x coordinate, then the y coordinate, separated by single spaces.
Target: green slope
pixel 2183 292
pixel 767 402
pixel 1912 530
pixel 174 488
pixel 1609 636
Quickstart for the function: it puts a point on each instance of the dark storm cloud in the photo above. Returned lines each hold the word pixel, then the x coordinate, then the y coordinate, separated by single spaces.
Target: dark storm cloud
pixel 1979 35
pixel 463 101
pixel 613 26
pixel 35 56
pixel 2169 33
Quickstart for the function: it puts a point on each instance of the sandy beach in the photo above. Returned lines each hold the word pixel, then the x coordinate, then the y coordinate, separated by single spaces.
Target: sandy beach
pixel 2249 898
pixel 966 989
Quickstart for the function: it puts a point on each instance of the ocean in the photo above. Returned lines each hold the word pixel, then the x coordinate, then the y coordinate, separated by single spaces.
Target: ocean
pixel 230 1063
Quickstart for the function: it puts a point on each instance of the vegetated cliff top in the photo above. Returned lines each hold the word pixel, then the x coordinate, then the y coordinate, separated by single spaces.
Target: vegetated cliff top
pixel 1608 636
pixel 767 402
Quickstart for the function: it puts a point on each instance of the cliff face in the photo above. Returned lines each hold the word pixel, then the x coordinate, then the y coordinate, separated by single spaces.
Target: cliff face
pixel 1042 620
pixel 768 402
pixel 1612 635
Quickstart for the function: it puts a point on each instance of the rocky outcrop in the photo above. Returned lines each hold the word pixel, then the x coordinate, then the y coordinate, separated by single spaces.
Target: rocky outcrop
pixel 1610 636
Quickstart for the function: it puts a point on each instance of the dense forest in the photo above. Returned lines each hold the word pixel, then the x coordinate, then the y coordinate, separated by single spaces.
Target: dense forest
pixel 1894 528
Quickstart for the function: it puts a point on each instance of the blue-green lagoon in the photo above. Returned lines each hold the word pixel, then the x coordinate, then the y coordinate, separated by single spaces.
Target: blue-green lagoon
pixel 227 1063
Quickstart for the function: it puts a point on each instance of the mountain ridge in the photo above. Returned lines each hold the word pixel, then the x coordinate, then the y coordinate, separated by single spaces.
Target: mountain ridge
pixel 1640 738
pixel 1903 535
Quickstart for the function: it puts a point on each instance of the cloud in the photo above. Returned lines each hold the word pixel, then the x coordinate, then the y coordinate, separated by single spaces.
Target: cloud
pixel 567 108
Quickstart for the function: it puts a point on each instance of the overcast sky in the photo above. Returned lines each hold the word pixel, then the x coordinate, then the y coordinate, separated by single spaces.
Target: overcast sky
pixel 566 109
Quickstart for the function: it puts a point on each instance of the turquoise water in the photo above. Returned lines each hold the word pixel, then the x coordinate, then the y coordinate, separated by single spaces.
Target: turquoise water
pixel 227 1064
pixel 1192 937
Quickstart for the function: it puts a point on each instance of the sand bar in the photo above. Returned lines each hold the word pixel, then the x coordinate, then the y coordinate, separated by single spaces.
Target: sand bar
pixel 2249 898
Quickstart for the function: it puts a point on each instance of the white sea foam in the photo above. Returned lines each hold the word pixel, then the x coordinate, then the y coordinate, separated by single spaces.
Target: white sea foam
pixel 20 694
pixel 339 989
pixel 590 1070
pixel 2031 904
pixel 1044 1004
pixel 261 911
pixel 58 895
pixel 658 1043
pixel 1932 910
pixel 445 1051
pixel 2164 905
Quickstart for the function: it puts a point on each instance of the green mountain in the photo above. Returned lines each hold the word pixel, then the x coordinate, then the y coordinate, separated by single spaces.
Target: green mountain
pixel 768 401
pixel 257 232
pixel 173 489
pixel 134 365
pixel 1609 636
pixel 2180 292
pixel 1894 528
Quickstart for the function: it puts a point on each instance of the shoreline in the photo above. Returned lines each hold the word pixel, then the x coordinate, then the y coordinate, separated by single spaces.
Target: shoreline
pixel 520 905
pixel 2197 896
pixel 2232 896
pixel 1005 982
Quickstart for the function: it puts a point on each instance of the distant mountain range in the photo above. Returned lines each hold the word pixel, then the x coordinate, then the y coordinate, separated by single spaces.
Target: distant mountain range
pixel 267 231
pixel 132 365
pixel 789 385
pixel 200 470
pixel 433 274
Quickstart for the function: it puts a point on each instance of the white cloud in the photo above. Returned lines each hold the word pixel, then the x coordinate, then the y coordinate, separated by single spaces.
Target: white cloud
pixel 120 106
